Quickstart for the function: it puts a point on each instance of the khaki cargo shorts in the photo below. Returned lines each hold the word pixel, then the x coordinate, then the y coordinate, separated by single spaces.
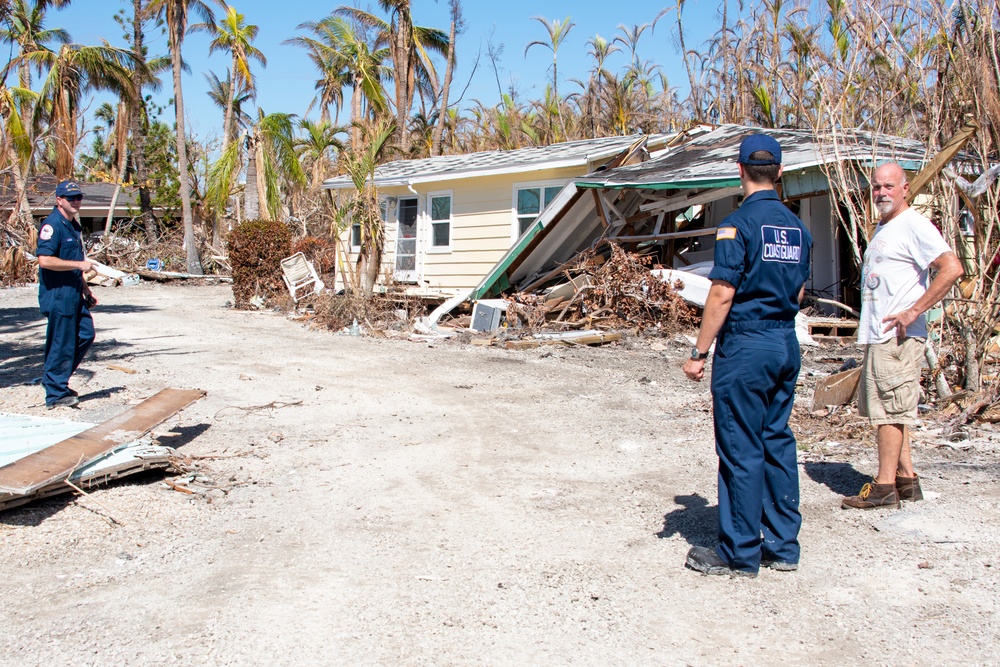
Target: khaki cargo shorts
pixel 890 381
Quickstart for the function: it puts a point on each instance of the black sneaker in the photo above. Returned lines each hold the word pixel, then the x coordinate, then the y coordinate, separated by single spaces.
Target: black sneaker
pixel 65 402
pixel 707 561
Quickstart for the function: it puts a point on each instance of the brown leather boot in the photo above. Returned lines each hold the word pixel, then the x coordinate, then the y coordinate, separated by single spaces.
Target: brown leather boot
pixel 908 488
pixel 873 495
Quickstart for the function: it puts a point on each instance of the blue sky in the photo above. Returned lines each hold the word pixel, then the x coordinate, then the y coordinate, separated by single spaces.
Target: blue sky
pixel 286 84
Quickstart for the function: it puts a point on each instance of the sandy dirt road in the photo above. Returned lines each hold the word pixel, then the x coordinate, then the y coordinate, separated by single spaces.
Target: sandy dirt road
pixel 388 502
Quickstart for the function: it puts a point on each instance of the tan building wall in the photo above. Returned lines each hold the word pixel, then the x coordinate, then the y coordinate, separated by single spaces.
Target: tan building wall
pixel 483 224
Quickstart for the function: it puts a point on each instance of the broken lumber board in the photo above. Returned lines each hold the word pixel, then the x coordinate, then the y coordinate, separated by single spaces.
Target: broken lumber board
pixel 832 326
pixel 837 389
pixel 57 462
pixel 594 339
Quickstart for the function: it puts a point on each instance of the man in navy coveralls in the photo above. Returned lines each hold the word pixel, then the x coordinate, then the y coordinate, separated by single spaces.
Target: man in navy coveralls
pixel 761 266
pixel 63 295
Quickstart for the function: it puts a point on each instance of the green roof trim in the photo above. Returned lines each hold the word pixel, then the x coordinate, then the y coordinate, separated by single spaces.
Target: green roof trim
pixel 668 185
pixel 497 281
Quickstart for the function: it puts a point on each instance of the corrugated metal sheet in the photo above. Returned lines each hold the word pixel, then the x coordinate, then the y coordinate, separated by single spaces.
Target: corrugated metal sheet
pixel 24 435
pixel 21 435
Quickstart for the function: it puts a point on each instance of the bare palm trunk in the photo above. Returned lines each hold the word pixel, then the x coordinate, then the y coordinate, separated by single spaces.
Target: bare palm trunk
pixel 227 125
pixel 445 90
pixel 122 124
pixel 355 118
pixel 193 260
pixel 118 188
pixel 139 123
pixel 401 62
pixel 251 195
pixel 65 139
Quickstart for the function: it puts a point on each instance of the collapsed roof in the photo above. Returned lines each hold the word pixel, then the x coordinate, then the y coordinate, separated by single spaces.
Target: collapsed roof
pixel 639 203
pixel 582 153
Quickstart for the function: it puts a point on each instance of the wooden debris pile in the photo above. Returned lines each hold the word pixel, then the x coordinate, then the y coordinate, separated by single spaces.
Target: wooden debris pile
pixel 616 292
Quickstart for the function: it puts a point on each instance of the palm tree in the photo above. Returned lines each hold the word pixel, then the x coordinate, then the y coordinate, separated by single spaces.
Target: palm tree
pixel 364 209
pixel 139 118
pixel 599 49
pixel 270 159
pixel 16 145
pixel 220 93
pixel 72 71
pixel 558 30
pixel 334 76
pixel 26 28
pixel 344 47
pixel 176 13
pixel 234 35
pixel 409 47
pixel 457 25
pixel 316 146
pixel 685 56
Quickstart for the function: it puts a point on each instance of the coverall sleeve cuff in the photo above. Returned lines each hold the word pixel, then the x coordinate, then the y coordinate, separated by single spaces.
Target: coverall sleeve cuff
pixel 722 273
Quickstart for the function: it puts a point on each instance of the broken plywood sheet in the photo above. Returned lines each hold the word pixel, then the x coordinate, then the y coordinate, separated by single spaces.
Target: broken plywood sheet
pixel 52 464
pixel 22 435
pixel 838 389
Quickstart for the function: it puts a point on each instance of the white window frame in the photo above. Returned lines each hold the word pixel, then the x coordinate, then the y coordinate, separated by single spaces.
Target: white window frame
pixel 383 203
pixel 429 211
pixel 515 226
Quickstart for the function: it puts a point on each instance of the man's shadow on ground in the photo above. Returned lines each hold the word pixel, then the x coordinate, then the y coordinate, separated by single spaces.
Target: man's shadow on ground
pixel 696 521
pixel 842 478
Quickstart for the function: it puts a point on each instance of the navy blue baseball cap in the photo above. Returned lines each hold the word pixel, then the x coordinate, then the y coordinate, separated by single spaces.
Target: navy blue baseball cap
pixel 68 189
pixel 759 142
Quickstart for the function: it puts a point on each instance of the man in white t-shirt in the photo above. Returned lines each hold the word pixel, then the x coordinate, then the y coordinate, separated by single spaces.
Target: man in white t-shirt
pixel 894 296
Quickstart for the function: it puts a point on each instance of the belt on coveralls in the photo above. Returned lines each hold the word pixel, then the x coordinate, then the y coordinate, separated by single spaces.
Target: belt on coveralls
pixel 742 326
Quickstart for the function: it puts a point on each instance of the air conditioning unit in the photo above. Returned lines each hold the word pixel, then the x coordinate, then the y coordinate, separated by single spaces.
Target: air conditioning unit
pixel 487 314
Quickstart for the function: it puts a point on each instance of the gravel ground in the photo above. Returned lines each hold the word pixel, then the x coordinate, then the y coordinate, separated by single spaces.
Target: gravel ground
pixel 376 501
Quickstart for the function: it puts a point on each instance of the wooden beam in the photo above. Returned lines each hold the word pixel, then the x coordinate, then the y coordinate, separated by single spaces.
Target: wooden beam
pixel 612 208
pixel 601 213
pixel 944 156
pixel 690 199
pixel 666 237
pixel 594 339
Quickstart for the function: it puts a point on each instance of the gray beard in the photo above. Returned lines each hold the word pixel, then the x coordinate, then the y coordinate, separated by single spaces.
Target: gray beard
pixel 884 207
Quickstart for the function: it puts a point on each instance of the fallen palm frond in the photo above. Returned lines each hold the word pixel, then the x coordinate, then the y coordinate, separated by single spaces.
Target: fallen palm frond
pixel 15 268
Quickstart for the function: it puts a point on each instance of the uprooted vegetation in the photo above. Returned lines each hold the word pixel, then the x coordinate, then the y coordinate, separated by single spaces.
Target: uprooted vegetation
pixel 256 248
pixel 388 311
pixel 614 292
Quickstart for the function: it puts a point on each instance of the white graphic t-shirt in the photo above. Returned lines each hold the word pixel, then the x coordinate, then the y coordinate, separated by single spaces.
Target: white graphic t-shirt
pixel 895 274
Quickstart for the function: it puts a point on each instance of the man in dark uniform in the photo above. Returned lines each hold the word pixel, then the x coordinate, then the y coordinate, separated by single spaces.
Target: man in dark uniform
pixel 761 266
pixel 63 295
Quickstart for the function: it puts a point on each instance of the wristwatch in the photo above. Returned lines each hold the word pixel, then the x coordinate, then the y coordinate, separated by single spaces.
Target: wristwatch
pixel 696 355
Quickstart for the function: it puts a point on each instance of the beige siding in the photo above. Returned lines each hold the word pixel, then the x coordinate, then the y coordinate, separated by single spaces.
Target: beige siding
pixel 482 224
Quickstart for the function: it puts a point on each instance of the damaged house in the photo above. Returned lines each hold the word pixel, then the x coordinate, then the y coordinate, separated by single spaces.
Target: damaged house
pixel 670 205
pixel 449 219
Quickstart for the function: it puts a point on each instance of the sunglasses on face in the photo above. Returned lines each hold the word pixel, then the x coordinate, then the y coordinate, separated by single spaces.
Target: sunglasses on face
pixel 74 198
